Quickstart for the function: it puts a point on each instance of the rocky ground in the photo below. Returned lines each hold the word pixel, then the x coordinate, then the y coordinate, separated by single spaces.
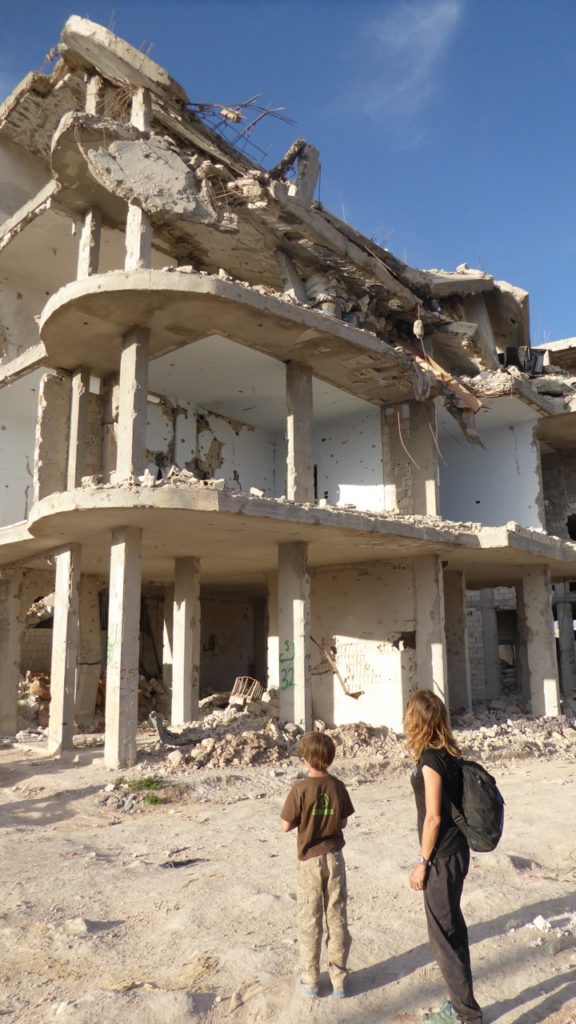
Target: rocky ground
pixel 166 893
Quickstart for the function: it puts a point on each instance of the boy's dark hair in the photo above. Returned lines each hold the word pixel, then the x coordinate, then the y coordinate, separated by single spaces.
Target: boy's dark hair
pixel 317 749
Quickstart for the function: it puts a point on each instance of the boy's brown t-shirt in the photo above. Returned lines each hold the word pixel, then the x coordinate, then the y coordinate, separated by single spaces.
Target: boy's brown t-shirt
pixel 317 806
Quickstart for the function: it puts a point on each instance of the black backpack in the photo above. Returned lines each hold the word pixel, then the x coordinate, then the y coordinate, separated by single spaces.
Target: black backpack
pixel 482 816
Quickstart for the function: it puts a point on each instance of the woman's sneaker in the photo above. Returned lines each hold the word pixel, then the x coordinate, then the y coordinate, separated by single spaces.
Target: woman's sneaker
pixel 445 1015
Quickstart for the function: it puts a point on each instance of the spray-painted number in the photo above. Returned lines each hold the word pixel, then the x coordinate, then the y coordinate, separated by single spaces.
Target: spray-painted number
pixel 286 666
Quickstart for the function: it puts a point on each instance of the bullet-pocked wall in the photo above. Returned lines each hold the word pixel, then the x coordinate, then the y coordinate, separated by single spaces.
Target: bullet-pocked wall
pixel 348 458
pixel 499 481
pixel 363 615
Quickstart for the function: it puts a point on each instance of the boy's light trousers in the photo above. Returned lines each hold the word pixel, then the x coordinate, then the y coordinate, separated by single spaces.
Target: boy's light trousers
pixel 322 892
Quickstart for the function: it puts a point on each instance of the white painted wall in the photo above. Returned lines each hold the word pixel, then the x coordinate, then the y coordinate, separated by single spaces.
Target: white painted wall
pixel 492 485
pixel 348 456
pixel 363 610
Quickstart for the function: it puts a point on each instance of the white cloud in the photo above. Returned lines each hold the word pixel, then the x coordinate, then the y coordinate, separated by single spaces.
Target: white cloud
pixel 406 50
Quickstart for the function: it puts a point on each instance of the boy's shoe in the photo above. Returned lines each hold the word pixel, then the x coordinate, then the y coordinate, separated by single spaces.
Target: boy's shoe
pixel 308 989
pixel 339 989
pixel 445 1015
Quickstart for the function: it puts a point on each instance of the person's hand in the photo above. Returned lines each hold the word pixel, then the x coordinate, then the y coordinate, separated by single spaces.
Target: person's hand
pixel 417 878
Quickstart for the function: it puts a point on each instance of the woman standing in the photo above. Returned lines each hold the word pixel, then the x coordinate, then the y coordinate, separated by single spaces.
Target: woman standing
pixel 444 858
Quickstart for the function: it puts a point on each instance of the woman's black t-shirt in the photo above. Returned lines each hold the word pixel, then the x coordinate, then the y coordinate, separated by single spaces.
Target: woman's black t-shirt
pixel 450 838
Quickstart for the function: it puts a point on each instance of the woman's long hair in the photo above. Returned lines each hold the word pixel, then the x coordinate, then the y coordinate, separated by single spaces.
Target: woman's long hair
pixel 426 724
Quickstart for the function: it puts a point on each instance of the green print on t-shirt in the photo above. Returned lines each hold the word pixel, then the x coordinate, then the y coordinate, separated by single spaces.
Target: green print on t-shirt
pixel 322 808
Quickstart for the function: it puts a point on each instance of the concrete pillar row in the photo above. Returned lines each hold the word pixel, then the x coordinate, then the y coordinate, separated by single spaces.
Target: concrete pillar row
pixel 565 614
pixel 186 641
pixel 430 625
pixel 78 433
pixel 537 632
pixel 273 644
pixel 90 650
pixel 295 656
pixel 492 675
pixel 457 652
pixel 138 224
pixel 11 631
pixel 65 640
pixel 133 404
pixel 123 652
pixel 299 433
pixel 168 639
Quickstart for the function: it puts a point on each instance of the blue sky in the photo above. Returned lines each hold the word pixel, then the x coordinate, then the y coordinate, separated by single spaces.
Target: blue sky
pixel 447 128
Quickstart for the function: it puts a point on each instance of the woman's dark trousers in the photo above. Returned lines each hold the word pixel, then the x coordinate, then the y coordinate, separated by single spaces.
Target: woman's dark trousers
pixel 448 933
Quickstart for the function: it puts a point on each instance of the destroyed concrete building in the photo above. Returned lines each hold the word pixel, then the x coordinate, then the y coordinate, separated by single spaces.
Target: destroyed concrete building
pixel 238 437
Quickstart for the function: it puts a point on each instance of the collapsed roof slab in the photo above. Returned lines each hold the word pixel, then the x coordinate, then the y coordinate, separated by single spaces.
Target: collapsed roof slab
pixel 103 163
pixel 84 322
pixel 237 536
pixel 86 44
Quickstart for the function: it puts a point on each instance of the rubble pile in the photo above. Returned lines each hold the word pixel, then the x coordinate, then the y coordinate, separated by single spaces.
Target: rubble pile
pixel 502 731
pixel 252 735
pixel 34 701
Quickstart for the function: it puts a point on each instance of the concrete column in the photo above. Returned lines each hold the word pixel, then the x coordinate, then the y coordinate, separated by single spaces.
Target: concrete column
pixel 11 630
pixel 168 639
pixel 133 404
pixel 186 641
pixel 79 412
pixel 273 644
pixel 410 458
pixel 90 651
pixel 522 670
pixel 492 675
pixel 430 630
pixel 89 245
pixel 457 653
pixel 94 103
pixel 299 426
pixel 295 661
pixel 565 615
pixel 123 654
pixel 138 225
pixel 542 663
pixel 65 637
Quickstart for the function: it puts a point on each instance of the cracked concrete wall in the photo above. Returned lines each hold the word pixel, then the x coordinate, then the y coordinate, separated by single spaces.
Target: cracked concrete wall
pixel 348 456
pixel 23 175
pixel 367 612
pixel 18 410
pixel 496 484
pixel 20 303
pixel 241 454
pixel 559 481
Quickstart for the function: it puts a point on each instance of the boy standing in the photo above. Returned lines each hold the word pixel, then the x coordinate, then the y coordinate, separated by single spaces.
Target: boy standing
pixel 319 806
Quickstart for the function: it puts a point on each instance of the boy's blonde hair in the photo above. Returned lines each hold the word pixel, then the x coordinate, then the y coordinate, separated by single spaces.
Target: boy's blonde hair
pixel 426 724
pixel 317 749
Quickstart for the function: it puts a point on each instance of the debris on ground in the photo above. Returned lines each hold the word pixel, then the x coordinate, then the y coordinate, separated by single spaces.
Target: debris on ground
pixel 250 733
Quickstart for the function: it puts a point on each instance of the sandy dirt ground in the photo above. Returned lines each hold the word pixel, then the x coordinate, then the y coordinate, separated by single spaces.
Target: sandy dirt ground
pixel 120 911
